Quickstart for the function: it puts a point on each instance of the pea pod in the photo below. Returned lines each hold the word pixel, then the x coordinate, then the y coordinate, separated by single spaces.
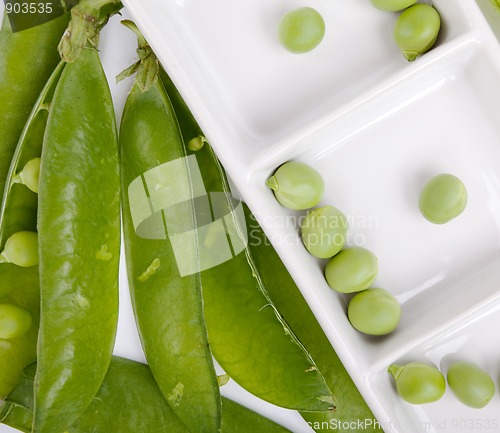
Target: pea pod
pixel 167 302
pixel 248 337
pixel 27 61
pixel 129 401
pixel 79 239
pixel 18 211
pixel 351 406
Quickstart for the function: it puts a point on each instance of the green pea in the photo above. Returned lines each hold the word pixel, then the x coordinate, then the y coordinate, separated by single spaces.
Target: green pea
pixel 417 382
pixel 297 185
pixel 374 312
pixel 324 231
pixel 30 174
pixel 416 30
pixel 21 249
pixel 443 198
pixel 471 385
pixel 352 270
pixel 301 30
pixel 14 321
pixel 392 5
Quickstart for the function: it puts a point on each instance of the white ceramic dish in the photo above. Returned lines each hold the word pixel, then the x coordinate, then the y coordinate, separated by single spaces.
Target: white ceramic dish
pixel 376 127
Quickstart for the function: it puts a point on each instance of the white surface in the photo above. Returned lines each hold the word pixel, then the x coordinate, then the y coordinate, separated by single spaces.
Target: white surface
pixel 376 127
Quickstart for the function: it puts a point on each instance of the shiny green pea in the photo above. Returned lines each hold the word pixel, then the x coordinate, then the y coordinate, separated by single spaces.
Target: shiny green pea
pixel 374 312
pixel 30 174
pixel 392 5
pixel 443 198
pixel 418 383
pixel 297 185
pixel 324 231
pixel 301 30
pixel 416 30
pixel 14 321
pixel 21 249
pixel 352 270
pixel 471 384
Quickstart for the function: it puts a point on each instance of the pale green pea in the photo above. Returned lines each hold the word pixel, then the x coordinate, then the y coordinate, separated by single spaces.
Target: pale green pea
pixel 15 321
pixel 443 198
pixel 301 30
pixel 21 249
pixel 471 385
pixel 392 5
pixel 416 30
pixel 30 174
pixel 324 231
pixel 352 270
pixel 417 382
pixel 297 185
pixel 374 312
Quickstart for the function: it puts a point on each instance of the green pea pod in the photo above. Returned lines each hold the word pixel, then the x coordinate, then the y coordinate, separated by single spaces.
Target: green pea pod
pixel 27 60
pixel 18 213
pixel 247 334
pixel 351 410
pixel 79 244
pixel 129 401
pixel 167 302
pixel 18 210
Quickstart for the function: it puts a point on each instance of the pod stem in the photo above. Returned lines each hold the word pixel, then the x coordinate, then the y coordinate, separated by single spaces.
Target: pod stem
pixel 147 67
pixel 197 143
pixel 395 370
pixel 272 183
pixel 4 258
pixel 87 20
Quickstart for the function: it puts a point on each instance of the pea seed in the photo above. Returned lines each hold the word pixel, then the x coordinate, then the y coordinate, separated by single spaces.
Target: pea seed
pixel 374 312
pixel 301 30
pixel 392 5
pixel 324 231
pixel 15 321
pixel 297 185
pixel 443 198
pixel 21 249
pixel 352 270
pixel 416 30
pixel 471 384
pixel 418 383
pixel 31 173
